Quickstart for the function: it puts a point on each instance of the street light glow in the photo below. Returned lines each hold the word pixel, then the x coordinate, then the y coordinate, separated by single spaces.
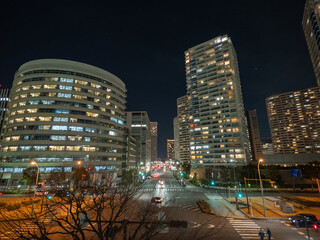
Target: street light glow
pixel 79 162
pixel 261 160
pixel 33 163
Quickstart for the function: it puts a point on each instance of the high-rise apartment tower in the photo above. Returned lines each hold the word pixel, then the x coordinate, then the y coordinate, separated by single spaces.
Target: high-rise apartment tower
pixel 154 141
pixel 310 24
pixel 294 119
pixel 218 130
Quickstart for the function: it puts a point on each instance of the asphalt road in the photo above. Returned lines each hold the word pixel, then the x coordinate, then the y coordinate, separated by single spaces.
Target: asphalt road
pixel 179 203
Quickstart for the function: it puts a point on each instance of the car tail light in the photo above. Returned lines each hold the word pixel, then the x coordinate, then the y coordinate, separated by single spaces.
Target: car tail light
pixel 315 226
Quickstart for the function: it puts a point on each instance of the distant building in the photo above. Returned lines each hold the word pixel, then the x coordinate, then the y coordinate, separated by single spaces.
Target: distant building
pixel 183 130
pixel 170 149
pixel 267 147
pixel 130 151
pixel 154 141
pixel 4 101
pixel 310 24
pixel 176 138
pixel 139 124
pixel 254 134
pixel 294 119
pixel 218 128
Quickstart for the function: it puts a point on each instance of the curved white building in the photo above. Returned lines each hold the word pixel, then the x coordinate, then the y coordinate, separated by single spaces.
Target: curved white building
pixel 62 112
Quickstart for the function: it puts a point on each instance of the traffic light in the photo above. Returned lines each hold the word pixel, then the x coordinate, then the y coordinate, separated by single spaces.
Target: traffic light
pixel 239 195
pixel 212 183
pixel 181 174
pixel 49 197
pixel 142 174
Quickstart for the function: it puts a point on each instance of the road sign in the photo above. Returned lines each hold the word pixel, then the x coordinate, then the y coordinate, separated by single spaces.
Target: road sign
pixel 295 172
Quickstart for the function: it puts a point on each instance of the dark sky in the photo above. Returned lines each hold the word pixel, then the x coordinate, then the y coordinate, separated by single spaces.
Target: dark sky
pixel 143 43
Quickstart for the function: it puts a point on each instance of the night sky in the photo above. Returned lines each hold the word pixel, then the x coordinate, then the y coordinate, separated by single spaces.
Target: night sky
pixel 143 43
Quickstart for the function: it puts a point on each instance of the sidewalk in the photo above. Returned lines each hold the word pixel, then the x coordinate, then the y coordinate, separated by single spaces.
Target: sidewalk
pixel 223 208
pixel 272 211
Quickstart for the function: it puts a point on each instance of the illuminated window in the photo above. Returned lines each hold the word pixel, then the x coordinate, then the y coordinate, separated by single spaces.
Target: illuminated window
pixel 50 86
pixel 36 86
pixel 20 111
pixel 59 128
pixel 19 119
pixel 30 119
pixel 23 96
pixel 73 120
pixel 62 87
pixel 65 95
pixel 112 133
pixel 56 148
pixel 90 114
pixel 76 129
pixel 52 94
pixel 73 148
pixel 34 94
pixel 60 119
pixel 90 149
pixel 46 119
pixel 58 138
pixel 40 148
pixel 13 149
pixel 69 80
pixel 81 82
pixel 33 110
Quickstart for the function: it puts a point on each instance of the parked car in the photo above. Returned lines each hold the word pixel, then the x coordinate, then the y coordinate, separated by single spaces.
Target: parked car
pixel 301 219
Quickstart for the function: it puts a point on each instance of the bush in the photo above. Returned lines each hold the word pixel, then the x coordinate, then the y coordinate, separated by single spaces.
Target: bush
pixel 205 207
pixel 13 207
pixel 3 204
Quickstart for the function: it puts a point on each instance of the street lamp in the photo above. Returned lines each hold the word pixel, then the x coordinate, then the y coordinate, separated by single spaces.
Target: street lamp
pixel 264 207
pixel 79 163
pixel 35 189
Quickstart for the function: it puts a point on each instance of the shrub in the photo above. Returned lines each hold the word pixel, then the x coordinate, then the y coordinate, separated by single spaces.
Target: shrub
pixel 2 204
pixel 13 207
pixel 205 207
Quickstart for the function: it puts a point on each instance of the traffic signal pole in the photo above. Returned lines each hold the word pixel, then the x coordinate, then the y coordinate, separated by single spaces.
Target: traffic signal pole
pixel 245 183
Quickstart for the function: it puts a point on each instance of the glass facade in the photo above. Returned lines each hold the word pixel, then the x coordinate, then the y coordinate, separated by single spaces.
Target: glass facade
pixel 64 111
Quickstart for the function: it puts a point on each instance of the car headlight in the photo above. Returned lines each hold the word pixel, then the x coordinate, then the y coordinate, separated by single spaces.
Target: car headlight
pixel 293 220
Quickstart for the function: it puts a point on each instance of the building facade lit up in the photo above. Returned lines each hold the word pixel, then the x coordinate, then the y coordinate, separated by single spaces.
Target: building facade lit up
pixel 183 130
pixel 62 112
pixel 294 119
pixel 154 141
pixel 170 149
pixel 218 130
pixel 310 24
pixel 139 124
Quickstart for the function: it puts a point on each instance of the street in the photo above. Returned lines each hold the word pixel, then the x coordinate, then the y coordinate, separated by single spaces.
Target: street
pixel 180 203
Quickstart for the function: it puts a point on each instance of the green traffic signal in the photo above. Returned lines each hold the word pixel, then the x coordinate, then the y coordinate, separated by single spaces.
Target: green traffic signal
pixel 181 174
pixel 49 197
pixel 212 183
pixel 239 195
pixel 142 174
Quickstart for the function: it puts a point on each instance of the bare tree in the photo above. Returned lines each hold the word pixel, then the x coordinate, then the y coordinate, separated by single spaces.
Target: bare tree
pixel 99 211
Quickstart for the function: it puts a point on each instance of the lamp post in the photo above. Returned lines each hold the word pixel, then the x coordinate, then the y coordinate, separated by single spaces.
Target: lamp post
pixel 35 188
pixel 264 207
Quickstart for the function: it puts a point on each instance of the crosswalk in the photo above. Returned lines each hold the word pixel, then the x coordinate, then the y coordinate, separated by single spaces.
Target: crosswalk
pixel 170 189
pixel 247 229
pixel 23 228
pixel 193 207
